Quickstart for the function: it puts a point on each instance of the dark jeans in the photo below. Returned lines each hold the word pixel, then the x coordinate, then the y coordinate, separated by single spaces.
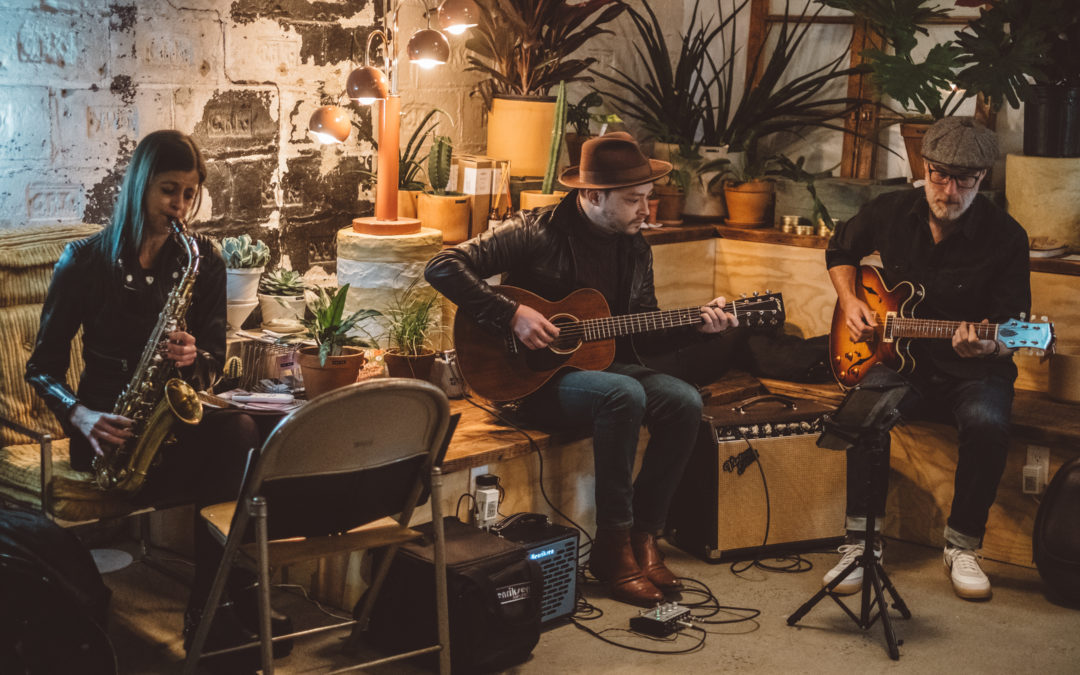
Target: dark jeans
pixel 615 403
pixel 204 467
pixel 980 409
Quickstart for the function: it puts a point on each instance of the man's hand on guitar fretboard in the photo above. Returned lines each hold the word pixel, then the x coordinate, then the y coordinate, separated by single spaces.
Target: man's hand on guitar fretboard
pixel 715 319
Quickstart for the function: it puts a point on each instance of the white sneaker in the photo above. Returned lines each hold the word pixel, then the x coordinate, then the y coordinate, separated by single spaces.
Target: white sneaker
pixel 852 583
pixel 968 579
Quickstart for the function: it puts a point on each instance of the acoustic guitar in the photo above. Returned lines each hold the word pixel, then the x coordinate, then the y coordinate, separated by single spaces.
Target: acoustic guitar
pixel 499 367
pixel 896 326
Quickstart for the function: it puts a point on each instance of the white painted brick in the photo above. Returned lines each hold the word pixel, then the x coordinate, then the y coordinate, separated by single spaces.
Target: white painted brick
pixel 189 50
pixel 24 124
pixel 56 48
pixel 262 50
pixel 36 196
pixel 91 126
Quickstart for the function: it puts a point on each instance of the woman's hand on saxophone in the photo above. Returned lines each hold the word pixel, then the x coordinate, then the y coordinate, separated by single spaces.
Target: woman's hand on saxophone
pixel 181 350
pixel 100 427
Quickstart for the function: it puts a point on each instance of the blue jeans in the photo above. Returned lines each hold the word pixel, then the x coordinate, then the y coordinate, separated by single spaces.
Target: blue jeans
pixel 980 409
pixel 615 403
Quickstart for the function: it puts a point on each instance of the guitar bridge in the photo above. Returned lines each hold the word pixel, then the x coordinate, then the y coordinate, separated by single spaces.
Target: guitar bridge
pixel 511 342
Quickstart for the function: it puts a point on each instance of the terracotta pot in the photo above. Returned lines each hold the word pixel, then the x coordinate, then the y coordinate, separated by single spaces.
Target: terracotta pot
pixel 337 372
pixel 750 204
pixel 533 199
pixel 574 141
pixel 669 208
pixel 447 213
pixel 519 130
pixel 404 365
pixel 913 133
pixel 654 205
pixel 406 203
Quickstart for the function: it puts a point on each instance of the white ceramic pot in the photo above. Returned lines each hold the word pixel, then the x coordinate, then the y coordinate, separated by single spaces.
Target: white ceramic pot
pixel 237 312
pixel 281 307
pixel 242 284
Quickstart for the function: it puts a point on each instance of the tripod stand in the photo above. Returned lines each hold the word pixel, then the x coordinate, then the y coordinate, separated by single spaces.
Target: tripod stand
pixel 863 422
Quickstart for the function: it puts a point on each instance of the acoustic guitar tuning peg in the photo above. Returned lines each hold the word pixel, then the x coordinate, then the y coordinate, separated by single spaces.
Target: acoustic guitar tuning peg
pixel 1043 318
pixel 767 291
pixel 742 295
pixel 1023 315
pixel 755 294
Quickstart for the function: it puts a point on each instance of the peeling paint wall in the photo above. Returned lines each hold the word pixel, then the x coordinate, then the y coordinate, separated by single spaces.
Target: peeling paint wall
pixel 81 81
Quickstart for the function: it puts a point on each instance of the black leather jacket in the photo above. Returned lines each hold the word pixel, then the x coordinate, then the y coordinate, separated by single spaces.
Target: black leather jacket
pixel 535 250
pixel 117 310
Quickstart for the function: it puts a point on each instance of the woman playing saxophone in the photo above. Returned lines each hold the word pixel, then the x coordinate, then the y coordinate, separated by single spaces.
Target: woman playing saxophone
pixel 114 286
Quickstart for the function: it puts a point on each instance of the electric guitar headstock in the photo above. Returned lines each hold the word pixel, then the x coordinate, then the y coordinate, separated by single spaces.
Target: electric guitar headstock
pixel 1035 338
pixel 759 310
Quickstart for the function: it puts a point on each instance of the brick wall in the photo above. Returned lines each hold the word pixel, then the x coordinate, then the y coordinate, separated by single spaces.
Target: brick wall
pixel 81 81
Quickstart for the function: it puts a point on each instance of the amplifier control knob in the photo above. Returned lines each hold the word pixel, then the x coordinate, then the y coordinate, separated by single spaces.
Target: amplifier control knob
pixel 744 431
pixel 781 428
pixel 805 426
pixel 767 429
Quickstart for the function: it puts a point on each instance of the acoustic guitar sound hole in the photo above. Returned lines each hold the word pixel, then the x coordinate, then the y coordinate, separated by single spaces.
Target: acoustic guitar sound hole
pixel 570 337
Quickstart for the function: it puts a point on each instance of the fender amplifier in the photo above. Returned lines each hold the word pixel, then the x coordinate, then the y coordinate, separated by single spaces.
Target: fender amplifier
pixel 757 482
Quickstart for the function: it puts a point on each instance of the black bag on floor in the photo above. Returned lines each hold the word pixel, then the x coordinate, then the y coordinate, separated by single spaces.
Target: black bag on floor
pixel 53 603
pixel 494 595
pixel 1056 539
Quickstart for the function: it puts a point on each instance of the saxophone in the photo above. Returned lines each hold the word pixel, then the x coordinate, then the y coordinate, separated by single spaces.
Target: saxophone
pixel 154 399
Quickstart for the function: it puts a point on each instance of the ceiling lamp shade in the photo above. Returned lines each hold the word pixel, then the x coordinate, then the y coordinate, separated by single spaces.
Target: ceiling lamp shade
pixel 428 48
pixel 367 84
pixel 329 124
pixel 457 16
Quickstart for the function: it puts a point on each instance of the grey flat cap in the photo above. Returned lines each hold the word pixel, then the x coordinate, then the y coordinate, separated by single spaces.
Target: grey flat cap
pixel 960 142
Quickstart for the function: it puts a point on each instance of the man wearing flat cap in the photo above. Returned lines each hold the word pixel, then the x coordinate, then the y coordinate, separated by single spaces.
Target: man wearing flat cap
pixel 972 260
pixel 592 239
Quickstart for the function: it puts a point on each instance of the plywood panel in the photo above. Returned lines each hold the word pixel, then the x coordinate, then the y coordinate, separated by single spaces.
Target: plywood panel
pixel 683 273
pixel 799 273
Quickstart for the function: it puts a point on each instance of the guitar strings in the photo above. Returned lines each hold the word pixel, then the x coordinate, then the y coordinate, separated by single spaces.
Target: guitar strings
pixel 672 318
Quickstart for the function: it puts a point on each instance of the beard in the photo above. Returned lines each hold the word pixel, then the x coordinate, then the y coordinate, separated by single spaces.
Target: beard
pixel 949 211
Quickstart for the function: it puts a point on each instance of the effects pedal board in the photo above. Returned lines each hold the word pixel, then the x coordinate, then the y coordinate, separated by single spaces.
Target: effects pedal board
pixel 660 621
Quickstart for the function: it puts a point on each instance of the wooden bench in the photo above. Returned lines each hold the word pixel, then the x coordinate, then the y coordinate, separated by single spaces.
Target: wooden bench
pixel 923 463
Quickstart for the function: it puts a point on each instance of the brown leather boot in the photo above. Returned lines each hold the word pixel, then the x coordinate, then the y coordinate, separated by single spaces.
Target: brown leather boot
pixel 612 562
pixel 651 561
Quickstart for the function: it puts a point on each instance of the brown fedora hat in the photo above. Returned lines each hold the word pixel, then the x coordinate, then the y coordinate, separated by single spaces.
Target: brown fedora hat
pixel 613 160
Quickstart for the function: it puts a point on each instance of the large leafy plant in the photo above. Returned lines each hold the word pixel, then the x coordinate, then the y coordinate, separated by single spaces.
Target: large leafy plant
pixel 523 47
pixel 692 99
pixel 328 326
pixel 993 55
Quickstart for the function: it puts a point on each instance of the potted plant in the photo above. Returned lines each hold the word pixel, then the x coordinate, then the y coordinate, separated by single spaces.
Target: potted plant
pixel 244 263
pixel 819 214
pixel 440 208
pixel 281 297
pixel 749 190
pixel 580 119
pixel 671 195
pixel 695 104
pixel 411 321
pixel 993 55
pixel 547 194
pixel 336 358
pixel 522 49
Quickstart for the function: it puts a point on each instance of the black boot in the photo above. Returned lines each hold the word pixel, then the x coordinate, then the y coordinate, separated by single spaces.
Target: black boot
pixel 226 631
pixel 243 588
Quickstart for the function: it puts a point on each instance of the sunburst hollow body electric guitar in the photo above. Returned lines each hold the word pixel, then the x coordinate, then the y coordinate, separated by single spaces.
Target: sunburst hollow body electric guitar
pixel 896 326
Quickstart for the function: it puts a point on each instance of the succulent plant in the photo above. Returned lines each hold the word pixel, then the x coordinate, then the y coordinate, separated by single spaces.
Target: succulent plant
pixel 282 282
pixel 241 253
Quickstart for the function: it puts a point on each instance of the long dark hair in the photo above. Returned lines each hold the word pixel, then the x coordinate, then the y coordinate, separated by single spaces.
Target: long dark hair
pixel 158 152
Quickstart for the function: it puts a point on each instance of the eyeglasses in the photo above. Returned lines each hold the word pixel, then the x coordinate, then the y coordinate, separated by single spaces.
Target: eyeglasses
pixel 965 181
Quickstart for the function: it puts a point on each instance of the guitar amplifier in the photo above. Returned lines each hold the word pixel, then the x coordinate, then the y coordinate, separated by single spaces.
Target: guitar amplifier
pixel 757 482
pixel 555 549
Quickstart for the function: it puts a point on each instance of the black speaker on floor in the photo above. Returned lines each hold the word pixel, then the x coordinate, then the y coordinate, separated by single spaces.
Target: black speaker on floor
pixel 554 548
pixel 757 482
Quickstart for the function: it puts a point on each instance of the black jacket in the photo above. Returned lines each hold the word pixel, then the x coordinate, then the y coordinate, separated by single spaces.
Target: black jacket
pixel 117 310
pixel 537 250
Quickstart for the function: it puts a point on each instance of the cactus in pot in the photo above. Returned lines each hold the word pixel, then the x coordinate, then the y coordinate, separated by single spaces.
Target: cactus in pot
pixel 244 262
pixel 443 209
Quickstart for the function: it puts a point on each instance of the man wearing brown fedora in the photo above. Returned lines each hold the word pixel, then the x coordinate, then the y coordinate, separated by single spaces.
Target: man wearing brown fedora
pixel 972 259
pixel 592 239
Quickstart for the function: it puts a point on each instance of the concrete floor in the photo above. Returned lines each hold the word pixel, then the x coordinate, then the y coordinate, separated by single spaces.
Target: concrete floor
pixel 1019 630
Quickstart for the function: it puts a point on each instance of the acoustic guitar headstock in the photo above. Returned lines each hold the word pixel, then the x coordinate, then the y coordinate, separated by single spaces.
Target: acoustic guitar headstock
pixel 760 310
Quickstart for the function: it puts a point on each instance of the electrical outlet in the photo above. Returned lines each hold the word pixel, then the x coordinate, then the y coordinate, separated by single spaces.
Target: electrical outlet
pixel 473 473
pixel 1037 470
